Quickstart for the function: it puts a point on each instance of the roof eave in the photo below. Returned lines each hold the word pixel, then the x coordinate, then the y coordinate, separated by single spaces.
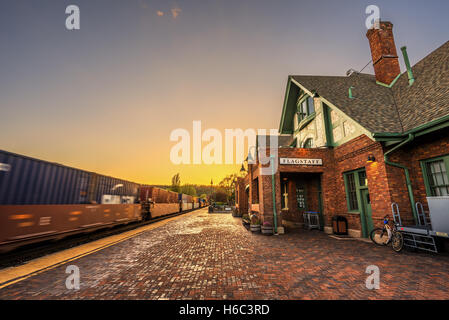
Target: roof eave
pixel 421 130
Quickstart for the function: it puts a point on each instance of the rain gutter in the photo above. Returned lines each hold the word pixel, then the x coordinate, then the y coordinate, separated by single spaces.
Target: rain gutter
pixel 410 138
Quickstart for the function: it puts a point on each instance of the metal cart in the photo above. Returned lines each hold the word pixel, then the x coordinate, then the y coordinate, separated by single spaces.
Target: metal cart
pixel 422 236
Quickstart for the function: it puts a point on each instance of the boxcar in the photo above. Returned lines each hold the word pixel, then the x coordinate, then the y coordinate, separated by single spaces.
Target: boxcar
pixel 41 200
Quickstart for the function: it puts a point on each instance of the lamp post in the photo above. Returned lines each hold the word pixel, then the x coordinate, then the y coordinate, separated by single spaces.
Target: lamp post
pixel 272 158
pixel 211 187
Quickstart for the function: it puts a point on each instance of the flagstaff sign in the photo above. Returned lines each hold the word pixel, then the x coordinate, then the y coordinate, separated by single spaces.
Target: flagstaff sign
pixel 304 162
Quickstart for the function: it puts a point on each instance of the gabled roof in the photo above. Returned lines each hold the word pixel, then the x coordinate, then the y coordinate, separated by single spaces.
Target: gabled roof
pixel 372 105
pixel 428 98
pixel 381 109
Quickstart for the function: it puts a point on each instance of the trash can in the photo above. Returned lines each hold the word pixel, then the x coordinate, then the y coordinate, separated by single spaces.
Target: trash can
pixel 211 209
pixel 340 225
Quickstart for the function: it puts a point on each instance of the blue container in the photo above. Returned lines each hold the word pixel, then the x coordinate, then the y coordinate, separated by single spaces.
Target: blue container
pixel 25 180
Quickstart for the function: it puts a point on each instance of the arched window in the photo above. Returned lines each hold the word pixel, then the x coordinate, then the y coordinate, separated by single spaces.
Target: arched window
pixel 308 143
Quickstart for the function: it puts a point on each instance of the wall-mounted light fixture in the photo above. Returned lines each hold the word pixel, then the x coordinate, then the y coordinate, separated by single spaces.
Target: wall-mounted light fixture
pixel 371 158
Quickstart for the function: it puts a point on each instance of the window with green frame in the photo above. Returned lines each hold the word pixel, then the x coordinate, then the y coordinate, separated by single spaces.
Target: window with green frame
pixel 351 192
pixel 306 107
pixel 354 181
pixel 436 176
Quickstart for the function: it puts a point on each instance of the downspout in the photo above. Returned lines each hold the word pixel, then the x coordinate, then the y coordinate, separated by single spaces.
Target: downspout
pixel 273 192
pixel 410 138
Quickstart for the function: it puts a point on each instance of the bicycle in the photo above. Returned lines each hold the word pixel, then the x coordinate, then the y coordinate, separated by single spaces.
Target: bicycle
pixel 386 235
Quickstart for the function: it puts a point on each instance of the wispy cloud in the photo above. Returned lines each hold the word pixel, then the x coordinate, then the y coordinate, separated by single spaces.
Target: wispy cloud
pixel 160 13
pixel 175 12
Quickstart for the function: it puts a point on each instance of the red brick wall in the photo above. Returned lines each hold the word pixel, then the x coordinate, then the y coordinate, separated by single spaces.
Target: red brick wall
pixel 386 183
pixel 352 156
pixel 422 148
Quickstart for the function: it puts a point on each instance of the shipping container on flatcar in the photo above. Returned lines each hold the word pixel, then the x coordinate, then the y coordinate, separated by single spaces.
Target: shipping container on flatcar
pixel 172 197
pixel 41 200
pixel 186 202
pixel 164 202
pixel 146 193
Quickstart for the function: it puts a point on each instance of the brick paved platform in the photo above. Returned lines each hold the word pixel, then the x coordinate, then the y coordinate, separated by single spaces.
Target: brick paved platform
pixel 211 256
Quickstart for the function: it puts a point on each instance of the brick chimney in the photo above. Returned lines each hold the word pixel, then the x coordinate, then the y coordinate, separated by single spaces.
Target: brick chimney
pixel 383 51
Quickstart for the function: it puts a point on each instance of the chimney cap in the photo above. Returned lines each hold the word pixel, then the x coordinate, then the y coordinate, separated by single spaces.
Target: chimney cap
pixel 383 25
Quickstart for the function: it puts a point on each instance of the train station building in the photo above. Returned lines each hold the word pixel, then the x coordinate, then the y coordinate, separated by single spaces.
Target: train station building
pixel 353 145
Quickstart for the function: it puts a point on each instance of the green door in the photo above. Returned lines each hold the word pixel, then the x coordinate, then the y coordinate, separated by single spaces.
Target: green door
pixel 367 217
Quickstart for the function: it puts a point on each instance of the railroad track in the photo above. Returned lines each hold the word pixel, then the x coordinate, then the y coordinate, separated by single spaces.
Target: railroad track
pixel 29 252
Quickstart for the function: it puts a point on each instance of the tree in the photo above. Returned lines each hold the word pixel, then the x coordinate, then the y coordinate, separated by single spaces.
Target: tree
pixel 176 183
pixel 228 186
pixel 220 196
pixel 188 189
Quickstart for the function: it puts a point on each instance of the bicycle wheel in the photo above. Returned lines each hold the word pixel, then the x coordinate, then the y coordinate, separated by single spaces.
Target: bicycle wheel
pixel 379 236
pixel 397 241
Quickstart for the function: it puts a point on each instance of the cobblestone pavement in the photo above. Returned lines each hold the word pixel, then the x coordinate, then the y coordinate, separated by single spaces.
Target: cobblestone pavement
pixel 212 256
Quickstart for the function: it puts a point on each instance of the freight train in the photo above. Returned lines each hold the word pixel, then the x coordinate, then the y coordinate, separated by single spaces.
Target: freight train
pixel 41 200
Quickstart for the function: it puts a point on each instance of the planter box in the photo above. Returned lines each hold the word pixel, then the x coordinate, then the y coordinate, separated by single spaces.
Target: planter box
pixel 255 228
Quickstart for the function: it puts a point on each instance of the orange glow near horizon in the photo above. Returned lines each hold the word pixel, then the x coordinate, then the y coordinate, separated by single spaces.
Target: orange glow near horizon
pixel 105 98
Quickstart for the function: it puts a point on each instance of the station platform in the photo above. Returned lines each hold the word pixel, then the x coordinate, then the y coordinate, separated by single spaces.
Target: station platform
pixel 207 256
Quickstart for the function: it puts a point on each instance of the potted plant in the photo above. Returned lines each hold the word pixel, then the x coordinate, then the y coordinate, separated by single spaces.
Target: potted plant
pixel 255 223
pixel 267 228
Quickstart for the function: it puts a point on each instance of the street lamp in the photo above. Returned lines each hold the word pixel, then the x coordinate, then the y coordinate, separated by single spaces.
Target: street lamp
pixel 249 159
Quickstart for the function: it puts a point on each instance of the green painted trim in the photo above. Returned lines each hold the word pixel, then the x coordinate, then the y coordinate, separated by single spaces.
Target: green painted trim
pixel 327 125
pixel 358 189
pixel 310 93
pixel 301 99
pixel 345 177
pixel 389 139
pixel 391 84
pixel 304 122
pixel 424 170
pixel 273 191
pixel 363 129
pixel 407 174
pixel 425 177
pixel 284 108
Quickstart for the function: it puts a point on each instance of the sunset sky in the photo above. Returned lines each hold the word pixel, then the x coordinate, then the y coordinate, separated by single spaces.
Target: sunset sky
pixel 105 98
